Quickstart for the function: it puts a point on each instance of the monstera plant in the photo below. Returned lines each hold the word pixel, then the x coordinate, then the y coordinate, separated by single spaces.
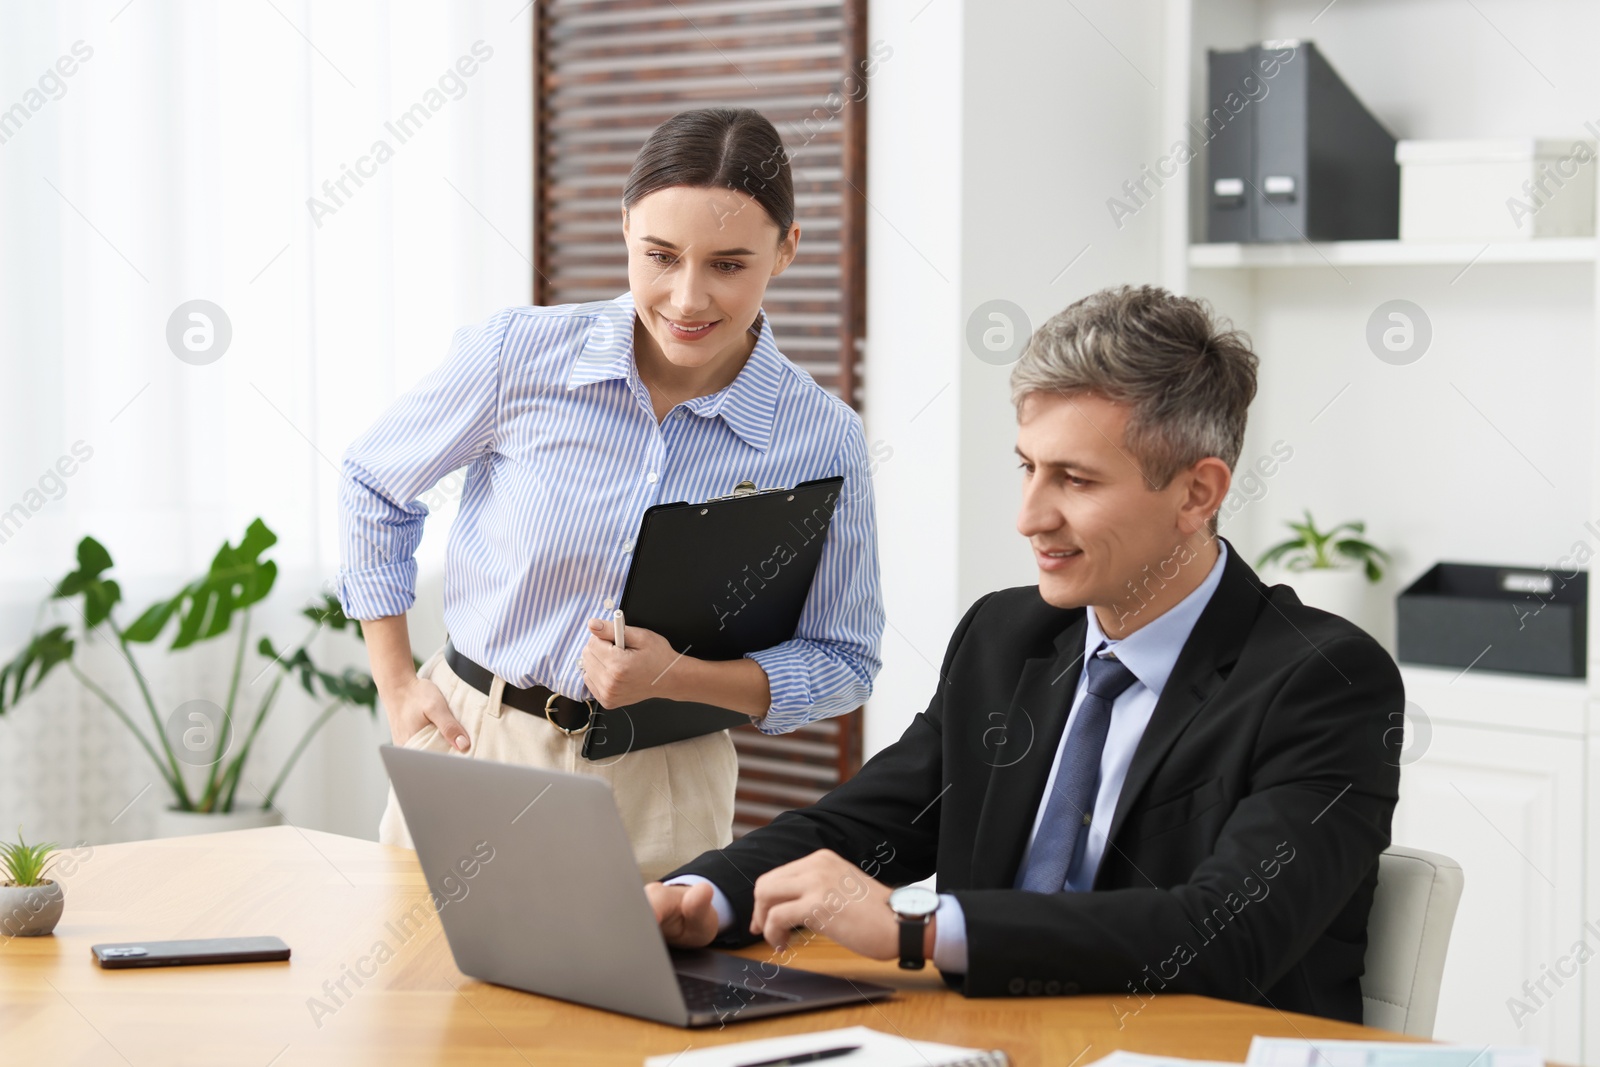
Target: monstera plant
pixel 202 765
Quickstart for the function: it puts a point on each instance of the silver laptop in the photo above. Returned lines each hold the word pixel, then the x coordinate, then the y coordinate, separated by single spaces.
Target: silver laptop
pixel 536 888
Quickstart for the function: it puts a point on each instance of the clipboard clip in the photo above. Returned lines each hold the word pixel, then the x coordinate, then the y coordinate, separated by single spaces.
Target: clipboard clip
pixel 746 487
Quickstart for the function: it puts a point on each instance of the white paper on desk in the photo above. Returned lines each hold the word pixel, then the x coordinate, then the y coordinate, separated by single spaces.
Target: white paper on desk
pixel 1294 1052
pixel 1121 1058
pixel 876 1048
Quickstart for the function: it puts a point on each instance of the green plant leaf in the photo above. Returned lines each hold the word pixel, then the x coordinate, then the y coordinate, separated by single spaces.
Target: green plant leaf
pixel 1356 548
pixel 330 613
pixel 42 653
pixel 93 561
pixel 150 624
pixel 1278 552
pixel 350 686
pixel 237 578
pixel 1313 546
pixel 24 864
pixel 1366 554
pixel 99 594
pixel 1333 534
pixel 1306 540
pixel 299 663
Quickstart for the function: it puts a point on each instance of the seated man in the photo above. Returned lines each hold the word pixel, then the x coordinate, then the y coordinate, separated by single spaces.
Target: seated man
pixel 1198 810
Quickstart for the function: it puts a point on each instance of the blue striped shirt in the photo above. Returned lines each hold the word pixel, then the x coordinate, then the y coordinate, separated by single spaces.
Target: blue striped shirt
pixel 545 408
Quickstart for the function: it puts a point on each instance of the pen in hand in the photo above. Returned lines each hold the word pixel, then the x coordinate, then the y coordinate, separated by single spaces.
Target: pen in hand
pixel 617 627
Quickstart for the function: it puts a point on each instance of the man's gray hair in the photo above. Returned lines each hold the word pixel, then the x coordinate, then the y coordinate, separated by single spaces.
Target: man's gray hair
pixel 1188 378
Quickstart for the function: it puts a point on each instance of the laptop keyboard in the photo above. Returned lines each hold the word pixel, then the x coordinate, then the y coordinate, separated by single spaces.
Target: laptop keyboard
pixel 722 997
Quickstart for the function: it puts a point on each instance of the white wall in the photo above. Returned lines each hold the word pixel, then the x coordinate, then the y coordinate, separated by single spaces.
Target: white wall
pixel 996 132
pixel 1061 107
pixel 914 257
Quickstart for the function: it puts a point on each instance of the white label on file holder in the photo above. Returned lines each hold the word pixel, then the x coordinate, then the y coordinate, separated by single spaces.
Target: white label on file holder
pixel 1228 188
pixel 1278 185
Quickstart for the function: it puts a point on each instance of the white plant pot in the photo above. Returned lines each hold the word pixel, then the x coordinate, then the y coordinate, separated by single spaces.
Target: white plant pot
pixel 30 910
pixel 1342 591
pixel 173 823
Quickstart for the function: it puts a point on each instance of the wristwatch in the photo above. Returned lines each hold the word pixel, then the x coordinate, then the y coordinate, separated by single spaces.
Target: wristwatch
pixel 912 904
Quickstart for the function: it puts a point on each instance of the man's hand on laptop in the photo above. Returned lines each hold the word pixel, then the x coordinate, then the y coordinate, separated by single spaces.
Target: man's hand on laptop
pixel 827 894
pixel 687 917
pixel 822 893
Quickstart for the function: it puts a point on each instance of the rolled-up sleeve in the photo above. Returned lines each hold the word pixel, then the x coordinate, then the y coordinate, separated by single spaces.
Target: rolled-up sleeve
pixel 439 425
pixel 828 667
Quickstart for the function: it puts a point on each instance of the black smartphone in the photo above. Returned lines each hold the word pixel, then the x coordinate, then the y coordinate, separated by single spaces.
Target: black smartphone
pixel 183 953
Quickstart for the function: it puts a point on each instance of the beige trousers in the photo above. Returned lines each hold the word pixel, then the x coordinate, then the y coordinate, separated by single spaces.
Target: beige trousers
pixel 676 800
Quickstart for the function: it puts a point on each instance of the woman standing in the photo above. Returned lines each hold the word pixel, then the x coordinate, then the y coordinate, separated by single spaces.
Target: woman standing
pixel 572 420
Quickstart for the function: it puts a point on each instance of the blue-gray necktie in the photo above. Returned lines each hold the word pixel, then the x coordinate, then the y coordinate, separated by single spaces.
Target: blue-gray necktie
pixel 1067 815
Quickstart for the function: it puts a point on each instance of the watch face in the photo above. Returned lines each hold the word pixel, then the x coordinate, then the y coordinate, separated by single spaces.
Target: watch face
pixel 914 901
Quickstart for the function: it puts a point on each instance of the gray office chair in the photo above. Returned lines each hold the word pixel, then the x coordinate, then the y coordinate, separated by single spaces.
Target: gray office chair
pixel 1408 933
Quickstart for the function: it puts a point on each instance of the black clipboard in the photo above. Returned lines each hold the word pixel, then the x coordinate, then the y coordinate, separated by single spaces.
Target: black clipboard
pixel 717 580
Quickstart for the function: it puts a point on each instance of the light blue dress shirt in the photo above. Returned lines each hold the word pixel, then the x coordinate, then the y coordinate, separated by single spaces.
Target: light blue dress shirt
pixel 1150 652
pixel 545 408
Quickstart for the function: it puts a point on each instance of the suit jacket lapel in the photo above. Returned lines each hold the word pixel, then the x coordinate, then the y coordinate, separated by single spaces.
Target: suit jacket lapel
pixel 1019 767
pixel 1207 656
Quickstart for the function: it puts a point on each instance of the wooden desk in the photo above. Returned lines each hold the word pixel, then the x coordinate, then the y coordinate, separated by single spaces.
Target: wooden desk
pixel 335 899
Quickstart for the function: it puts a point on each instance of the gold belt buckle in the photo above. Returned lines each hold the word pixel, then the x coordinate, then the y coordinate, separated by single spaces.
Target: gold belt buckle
pixel 549 714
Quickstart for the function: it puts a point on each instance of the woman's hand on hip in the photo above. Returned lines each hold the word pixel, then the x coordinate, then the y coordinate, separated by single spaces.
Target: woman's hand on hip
pixel 621 676
pixel 418 703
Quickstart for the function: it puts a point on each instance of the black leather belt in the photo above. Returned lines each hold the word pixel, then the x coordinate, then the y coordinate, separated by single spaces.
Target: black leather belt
pixel 565 714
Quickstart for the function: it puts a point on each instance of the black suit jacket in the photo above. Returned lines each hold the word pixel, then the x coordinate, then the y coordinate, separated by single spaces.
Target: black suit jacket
pixel 1243 853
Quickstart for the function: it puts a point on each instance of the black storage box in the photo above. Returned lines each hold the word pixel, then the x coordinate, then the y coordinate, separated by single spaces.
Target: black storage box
pixel 1525 620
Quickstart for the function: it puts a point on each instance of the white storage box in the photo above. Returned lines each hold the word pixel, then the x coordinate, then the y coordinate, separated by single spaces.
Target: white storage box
pixel 1496 190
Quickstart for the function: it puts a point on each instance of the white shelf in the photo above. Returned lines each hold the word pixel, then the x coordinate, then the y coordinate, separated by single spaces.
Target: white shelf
pixel 1499 700
pixel 1391 253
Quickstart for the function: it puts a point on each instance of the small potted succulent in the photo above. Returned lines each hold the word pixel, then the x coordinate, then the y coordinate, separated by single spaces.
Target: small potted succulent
pixel 1331 569
pixel 30 903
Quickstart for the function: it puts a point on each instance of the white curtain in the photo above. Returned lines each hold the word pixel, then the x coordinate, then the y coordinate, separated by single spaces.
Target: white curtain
pixel 348 183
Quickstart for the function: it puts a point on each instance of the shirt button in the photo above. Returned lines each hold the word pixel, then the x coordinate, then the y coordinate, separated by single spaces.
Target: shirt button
pixel 651 477
pixel 627 544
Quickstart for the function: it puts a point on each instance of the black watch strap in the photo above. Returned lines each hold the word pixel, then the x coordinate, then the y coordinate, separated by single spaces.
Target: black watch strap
pixel 911 935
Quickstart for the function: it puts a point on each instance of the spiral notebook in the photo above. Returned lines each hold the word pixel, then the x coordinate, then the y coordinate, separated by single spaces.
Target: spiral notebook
pixel 870 1047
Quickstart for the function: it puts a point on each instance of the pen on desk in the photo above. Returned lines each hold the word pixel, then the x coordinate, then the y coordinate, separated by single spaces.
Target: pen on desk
pixel 617 626
pixel 806 1057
